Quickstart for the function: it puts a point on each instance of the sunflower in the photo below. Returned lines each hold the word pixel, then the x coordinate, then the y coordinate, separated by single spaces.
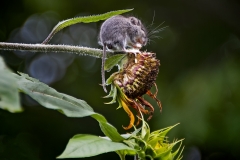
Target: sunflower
pixel 135 78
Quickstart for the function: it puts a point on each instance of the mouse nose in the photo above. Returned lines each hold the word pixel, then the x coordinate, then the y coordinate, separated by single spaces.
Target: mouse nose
pixel 142 41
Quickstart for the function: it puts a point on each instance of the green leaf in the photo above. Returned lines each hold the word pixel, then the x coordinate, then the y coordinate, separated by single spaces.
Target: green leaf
pixel 159 135
pixel 113 93
pixel 123 153
pixel 110 80
pixel 165 152
pixel 177 152
pixel 2 64
pixel 88 145
pixel 86 19
pixel 145 133
pixel 108 129
pixel 70 106
pixel 113 61
pixel 50 98
pixel 9 96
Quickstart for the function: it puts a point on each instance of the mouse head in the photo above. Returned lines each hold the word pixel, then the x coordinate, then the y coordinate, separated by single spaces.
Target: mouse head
pixel 138 33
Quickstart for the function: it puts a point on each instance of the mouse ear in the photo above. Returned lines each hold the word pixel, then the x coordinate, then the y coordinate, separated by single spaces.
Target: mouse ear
pixel 135 21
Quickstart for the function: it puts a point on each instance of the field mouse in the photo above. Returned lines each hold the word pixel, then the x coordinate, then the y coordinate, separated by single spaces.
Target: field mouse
pixel 120 33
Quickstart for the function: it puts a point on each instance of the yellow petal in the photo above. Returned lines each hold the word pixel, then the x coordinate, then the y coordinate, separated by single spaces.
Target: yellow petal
pixel 130 114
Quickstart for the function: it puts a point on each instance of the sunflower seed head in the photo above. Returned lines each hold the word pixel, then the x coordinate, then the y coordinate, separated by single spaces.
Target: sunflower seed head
pixel 138 74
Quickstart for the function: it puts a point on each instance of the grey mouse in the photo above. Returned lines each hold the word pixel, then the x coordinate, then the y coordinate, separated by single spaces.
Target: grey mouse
pixel 120 33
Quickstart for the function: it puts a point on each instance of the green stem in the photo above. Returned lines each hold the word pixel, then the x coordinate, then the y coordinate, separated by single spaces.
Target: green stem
pixel 53 48
pixel 136 157
pixel 122 156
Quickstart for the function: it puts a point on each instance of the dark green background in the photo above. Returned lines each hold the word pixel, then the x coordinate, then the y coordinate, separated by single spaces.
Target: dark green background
pixel 198 81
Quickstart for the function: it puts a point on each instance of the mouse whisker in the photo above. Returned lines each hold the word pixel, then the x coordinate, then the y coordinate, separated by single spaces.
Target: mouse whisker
pixel 154 36
pixel 156 30
pixel 150 40
pixel 157 26
pixel 152 33
pixel 150 25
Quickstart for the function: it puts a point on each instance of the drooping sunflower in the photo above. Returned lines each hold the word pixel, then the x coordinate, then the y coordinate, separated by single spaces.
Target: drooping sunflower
pixel 135 78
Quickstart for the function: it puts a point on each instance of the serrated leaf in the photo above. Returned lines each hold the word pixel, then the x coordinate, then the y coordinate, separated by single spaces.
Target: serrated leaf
pixel 113 61
pixel 86 19
pixel 68 105
pixel 88 145
pixel 9 96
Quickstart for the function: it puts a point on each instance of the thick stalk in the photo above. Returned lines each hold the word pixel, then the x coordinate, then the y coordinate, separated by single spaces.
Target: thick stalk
pixel 53 48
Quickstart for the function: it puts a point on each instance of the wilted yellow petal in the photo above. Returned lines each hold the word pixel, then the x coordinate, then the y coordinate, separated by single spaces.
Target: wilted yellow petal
pixel 130 114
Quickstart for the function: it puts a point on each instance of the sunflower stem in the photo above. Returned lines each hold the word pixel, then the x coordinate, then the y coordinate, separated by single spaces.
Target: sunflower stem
pixel 53 48
pixel 136 157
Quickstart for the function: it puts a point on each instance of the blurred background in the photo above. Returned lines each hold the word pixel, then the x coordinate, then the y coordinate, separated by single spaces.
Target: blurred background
pixel 198 81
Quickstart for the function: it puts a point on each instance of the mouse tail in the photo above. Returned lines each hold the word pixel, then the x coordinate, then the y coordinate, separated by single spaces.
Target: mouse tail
pixel 103 71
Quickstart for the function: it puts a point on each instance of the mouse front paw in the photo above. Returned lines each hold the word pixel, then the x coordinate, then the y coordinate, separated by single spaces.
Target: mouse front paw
pixel 138 45
pixel 133 50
